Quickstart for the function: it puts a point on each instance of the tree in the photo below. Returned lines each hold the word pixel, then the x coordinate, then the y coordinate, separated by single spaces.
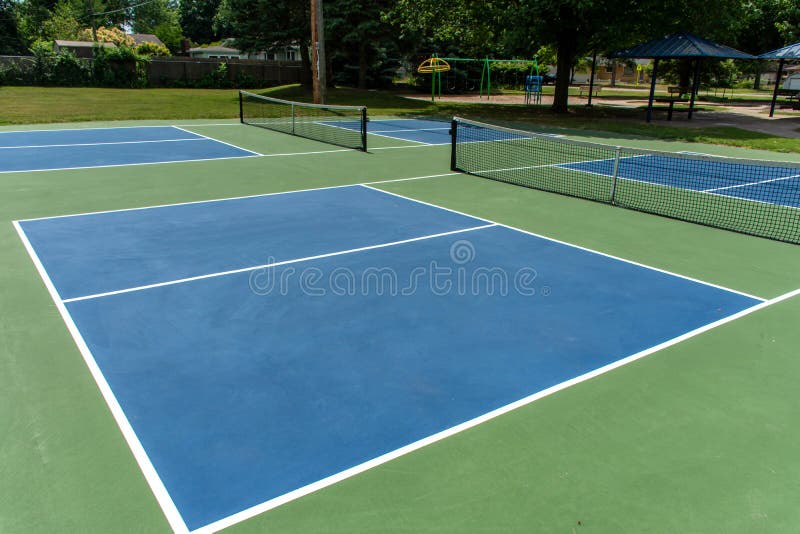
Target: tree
pixel 355 31
pixel 269 24
pixel 11 42
pixel 32 16
pixel 197 20
pixel 472 28
pixel 788 20
pixel 62 24
pixel 162 18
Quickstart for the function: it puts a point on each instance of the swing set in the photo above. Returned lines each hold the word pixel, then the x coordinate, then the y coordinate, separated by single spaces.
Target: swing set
pixel 435 66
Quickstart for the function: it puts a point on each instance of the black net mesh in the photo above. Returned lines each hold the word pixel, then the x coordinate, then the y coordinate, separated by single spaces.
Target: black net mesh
pixel 754 197
pixel 338 125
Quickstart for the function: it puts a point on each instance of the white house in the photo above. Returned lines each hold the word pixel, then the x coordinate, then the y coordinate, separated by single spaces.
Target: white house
pixel 227 51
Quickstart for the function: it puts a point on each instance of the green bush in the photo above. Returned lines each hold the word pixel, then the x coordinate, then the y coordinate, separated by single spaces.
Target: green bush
pixel 43 59
pixel 119 66
pixel 152 49
pixel 217 79
pixel 66 69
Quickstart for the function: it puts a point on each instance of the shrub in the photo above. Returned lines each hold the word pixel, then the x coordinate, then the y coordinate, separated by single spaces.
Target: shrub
pixel 120 66
pixel 152 49
pixel 66 69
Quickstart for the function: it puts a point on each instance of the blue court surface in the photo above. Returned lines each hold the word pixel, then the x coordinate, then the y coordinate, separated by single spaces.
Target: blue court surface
pixel 70 149
pixel 259 345
pixel 426 132
pixel 771 184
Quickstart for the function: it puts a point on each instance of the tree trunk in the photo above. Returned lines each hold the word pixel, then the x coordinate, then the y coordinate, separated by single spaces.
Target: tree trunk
pixel 564 59
pixel 685 73
pixel 362 64
pixel 614 73
pixel 757 80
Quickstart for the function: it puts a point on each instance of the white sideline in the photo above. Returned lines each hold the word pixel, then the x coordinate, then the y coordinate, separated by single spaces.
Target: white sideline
pixel 148 470
pixel 411 447
pixel 105 143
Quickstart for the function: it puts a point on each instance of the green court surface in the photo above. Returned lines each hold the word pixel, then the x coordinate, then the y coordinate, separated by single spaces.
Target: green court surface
pixel 699 437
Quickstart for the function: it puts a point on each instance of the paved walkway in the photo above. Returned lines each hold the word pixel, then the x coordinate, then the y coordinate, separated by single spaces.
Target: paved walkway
pixel 753 117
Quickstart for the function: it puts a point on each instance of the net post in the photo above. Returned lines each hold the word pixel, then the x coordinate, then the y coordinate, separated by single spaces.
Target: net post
pixel 453 132
pixel 292 118
pixel 364 129
pixel 241 108
pixel 615 175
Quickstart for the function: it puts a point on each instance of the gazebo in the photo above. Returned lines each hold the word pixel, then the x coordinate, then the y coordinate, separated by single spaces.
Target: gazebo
pixel 681 45
pixel 791 52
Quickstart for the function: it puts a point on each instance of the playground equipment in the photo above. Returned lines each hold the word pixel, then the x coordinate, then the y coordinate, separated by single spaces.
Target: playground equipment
pixel 436 65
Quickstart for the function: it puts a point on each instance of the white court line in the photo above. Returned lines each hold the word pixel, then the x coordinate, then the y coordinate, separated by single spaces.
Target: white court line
pixel 178 525
pixel 106 143
pixel 237 123
pixel 397 138
pixel 674 186
pixel 132 164
pixel 411 130
pixel 564 165
pixel 750 183
pixel 150 474
pixel 402 451
pixel 158 206
pixel 617 258
pixel 369 185
pixel 88 129
pixel 405 146
pixel 415 178
pixel 275 264
pixel 217 140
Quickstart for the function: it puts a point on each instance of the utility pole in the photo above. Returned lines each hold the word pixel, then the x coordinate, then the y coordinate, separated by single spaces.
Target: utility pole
pixel 90 10
pixel 318 64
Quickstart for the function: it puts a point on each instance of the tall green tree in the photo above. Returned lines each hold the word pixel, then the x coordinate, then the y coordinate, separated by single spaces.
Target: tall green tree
pixel 356 31
pixel 11 41
pixel 268 24
pixel 32 16
pixel 197 20
pixel 162 18
pixel 788 20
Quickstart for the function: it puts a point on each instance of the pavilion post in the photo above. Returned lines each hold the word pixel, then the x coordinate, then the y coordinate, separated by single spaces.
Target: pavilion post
pixel 695 86
pixel 777 85
pixel 653 75
pixel 591 78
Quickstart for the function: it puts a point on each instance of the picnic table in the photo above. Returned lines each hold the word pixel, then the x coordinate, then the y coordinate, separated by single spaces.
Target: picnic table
pixel 676 94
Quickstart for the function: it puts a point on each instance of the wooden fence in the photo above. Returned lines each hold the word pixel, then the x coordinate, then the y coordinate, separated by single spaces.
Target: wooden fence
pixel 176 70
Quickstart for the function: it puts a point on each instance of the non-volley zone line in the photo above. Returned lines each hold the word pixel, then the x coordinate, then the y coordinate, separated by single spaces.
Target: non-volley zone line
pixel 493 240
pixel 58 150
pixel 277 263
pixel 371 185
pixel 750 184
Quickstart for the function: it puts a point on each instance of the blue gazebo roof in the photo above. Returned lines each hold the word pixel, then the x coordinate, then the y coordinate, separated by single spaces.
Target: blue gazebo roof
pixel 681 45
pixel 787 52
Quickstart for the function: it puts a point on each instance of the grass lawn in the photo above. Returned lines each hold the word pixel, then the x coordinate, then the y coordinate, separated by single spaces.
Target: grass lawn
pixel 31 105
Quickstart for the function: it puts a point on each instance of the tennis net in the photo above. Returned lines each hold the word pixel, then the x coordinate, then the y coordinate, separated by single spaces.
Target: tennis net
pixel 338 125
pixel 755 197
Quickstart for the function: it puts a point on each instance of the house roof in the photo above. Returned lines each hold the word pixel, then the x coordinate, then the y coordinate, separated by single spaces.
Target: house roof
pixel 82 44
pixel 215 48
pixel 679 45
pixel 139 38
pixel 787 52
